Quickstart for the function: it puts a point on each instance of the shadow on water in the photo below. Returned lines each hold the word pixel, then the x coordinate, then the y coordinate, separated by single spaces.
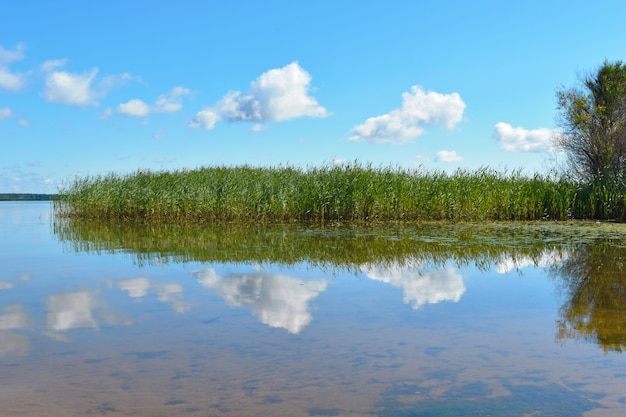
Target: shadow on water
pixel 586 259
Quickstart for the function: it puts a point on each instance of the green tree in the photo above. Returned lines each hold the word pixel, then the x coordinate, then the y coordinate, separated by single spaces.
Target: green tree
pixel 593 124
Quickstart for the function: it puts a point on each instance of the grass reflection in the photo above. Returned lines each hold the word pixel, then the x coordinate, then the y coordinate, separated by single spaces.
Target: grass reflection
pixel 334 246
pixel 588 258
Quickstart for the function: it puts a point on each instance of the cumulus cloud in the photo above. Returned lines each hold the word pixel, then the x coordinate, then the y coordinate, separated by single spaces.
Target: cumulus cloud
pixel 205 119
pixel 518 139
pixel 276 300
pixel 448 156
pixel 419 285
pixel 67 88
pixel 134 108
pixel 166 103
pixel 277 95
pixel 171 102
pixel 419 109
pixel 5 113
pixel 11 81
pixel 77 89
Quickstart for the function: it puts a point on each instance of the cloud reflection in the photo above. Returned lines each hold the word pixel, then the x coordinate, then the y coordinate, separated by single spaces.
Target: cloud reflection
pixel 136 287
pixel 420 286
pixel 545 259
pixel 170 293
pixel 71 311
pixel 276 300
pixel 12 318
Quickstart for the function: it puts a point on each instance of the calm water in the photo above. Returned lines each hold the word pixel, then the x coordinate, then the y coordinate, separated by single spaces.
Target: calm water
pixel 421 321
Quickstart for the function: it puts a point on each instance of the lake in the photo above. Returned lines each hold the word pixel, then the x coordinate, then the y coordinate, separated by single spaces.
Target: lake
pixel 336 320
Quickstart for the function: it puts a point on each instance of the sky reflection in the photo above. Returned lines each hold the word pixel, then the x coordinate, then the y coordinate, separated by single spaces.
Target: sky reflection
pixel 419 284
pixel 276 300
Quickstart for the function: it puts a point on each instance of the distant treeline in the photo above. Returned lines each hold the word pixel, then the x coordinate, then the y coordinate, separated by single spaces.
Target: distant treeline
pixel 26 197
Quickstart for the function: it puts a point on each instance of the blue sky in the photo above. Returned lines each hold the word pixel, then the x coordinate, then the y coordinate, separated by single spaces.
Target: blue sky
pixel 118 86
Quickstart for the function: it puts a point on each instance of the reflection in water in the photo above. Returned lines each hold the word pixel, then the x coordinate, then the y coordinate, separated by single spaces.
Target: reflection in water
pixel 170 293
pixel 595 283
pixel 276 300
pixel 366 353
pixel 419 285
pixel 136 287
pixel 13 318
pixel 71 311
pixel 386 253
pixel 545 259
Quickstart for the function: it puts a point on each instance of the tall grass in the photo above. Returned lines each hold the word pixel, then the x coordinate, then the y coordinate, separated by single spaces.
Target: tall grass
pixel 350 192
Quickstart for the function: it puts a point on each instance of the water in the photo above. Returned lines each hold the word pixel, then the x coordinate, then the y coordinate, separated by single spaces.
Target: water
pixel 447 320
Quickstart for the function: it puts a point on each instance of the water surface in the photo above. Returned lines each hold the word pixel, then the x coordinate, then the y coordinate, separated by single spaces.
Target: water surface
pixel 421 320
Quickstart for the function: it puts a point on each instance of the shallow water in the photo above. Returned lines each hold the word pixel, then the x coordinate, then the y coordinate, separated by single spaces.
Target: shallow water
pixel 419 320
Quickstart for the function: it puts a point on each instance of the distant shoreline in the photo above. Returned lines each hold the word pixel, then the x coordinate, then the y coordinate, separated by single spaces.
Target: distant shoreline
pixel 27 197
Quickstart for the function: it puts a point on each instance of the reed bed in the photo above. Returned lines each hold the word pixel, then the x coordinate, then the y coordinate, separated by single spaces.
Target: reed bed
pixel 350 192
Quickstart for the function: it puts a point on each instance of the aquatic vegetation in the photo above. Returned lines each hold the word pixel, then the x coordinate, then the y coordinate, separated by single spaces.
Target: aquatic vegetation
pixel 337 193
pixel 344 247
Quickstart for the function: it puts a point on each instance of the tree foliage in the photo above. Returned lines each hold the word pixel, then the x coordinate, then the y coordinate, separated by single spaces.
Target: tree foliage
pixel 593 123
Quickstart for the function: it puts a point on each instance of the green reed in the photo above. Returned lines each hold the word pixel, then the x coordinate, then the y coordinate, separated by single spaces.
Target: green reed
pixel 350 192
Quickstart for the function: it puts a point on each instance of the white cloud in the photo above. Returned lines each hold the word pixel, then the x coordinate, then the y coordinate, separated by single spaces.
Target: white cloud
pixel 419 109
pixel 134 108
pixel 52 64
pixel 67 88
pixel 277 95
pixel 8 80
pixel 77 89
pixel 166 103
pixel 205 119
pixel 257 128
pixel 5 113
pixel 7 56
pixel 172 102
pixel 448 156
pixel 23 123
pixel 518 139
